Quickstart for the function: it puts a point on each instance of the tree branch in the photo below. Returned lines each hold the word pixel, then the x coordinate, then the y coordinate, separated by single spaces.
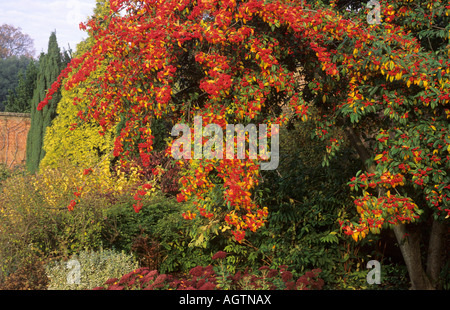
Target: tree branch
pixel 359 146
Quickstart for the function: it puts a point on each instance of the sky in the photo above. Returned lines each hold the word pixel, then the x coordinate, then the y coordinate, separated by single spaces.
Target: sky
pixel 39 18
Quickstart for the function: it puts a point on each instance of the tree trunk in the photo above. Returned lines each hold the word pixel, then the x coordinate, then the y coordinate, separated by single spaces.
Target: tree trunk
pixel 435 258
pixel 409 242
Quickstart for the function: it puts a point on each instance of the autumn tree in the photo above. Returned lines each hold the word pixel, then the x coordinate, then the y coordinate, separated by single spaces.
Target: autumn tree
pixel 15 43
pixel 399 126
pixel 384 82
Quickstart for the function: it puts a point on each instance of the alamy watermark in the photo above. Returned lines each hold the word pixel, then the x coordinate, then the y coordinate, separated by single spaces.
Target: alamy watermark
pixel 374 275
pixel 374 14
pixel 74 274
pixel 214 147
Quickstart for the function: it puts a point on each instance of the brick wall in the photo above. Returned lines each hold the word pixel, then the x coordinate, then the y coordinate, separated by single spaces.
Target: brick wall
pixel 13 137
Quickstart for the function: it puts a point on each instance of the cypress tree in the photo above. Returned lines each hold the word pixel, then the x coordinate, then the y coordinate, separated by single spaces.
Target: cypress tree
pixel 50 66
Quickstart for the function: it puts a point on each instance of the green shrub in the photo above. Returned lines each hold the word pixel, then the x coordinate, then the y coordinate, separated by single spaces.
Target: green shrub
pixel 89 269
pixel 158 226
pixel 123 225
pixel 69 232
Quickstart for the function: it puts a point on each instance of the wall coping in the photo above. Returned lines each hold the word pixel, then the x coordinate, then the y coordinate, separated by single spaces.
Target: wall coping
pixel 13 114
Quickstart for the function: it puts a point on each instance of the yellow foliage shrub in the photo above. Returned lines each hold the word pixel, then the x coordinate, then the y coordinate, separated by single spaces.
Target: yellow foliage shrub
pixel 68 137
pixel 69 182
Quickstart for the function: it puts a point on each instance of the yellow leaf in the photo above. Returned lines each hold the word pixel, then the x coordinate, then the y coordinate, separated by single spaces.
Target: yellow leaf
pixel 391 65
pixel 378 156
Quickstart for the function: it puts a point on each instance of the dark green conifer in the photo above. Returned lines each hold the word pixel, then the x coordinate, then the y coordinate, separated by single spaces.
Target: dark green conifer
pixel 50 66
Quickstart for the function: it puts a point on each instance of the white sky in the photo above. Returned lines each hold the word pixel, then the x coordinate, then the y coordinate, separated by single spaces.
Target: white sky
pixel 38 18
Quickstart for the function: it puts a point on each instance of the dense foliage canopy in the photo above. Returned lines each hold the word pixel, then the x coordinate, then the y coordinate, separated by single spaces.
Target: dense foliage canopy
pixel 386 84
pixel 242 61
